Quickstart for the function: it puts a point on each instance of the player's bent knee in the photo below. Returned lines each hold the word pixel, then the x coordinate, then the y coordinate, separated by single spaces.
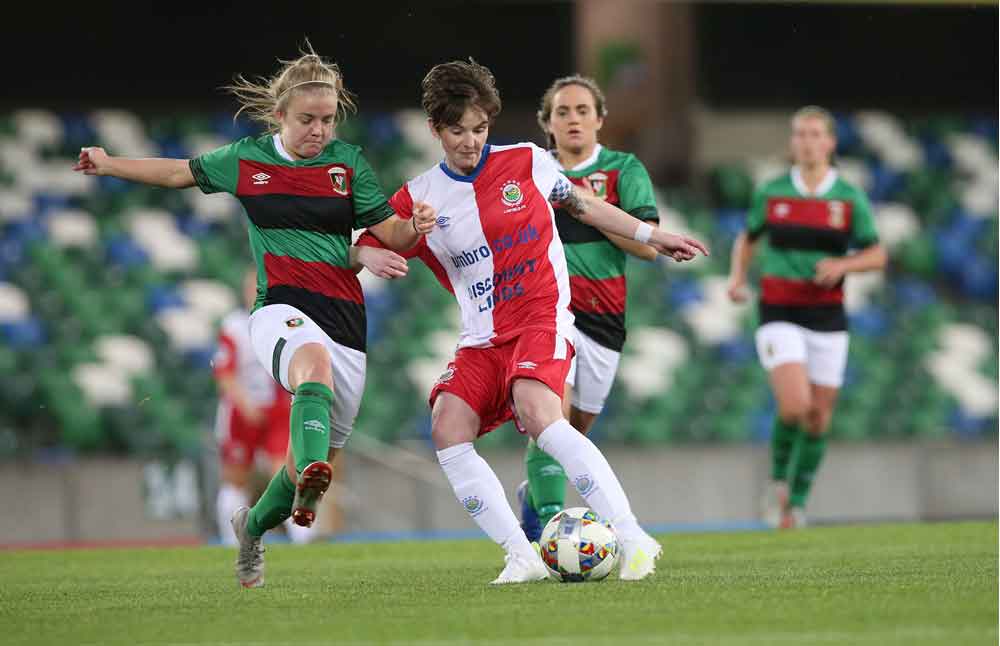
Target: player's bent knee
pixel 452 422
pixel 310 363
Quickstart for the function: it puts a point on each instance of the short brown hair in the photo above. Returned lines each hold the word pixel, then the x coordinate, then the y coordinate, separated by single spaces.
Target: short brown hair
pixel 450 88
pixel 545 110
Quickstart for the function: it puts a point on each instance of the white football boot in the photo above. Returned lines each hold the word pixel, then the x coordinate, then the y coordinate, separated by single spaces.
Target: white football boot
pixel 250 560
pixel 522 568
pixel 774 503
pixel 639 556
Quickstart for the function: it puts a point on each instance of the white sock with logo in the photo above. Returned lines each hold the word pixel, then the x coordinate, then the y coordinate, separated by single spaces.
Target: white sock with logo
pixel 589 472
pixel 479 491
pixel 229 499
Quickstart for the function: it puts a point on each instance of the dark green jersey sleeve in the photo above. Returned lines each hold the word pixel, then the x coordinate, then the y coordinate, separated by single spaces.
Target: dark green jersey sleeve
pixel 635 191
pixel 863 232
pixel 218 171
pixel 757 215
pixel 370 205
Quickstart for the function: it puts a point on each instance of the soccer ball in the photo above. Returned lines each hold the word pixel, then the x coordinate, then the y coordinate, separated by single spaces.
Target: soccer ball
pixel 578 545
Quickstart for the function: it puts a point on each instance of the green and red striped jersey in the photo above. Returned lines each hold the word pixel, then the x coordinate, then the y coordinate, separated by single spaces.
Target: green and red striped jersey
pixel 301 215
pixel 596 265
pixel 800 230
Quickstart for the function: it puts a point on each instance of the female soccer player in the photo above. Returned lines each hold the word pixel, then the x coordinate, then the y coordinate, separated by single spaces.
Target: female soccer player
pixel 303 192
pixel 571 115
pixel 809 218
pixel 496 248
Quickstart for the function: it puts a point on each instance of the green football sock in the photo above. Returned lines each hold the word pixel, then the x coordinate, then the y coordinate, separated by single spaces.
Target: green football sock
pixel 546 482
pixel 274 506
pixel 783 437
pixel 809 454
pixel 310 424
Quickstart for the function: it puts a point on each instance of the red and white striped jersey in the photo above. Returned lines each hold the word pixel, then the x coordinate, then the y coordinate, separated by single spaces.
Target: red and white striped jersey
pixel 235 356
pixel 495 246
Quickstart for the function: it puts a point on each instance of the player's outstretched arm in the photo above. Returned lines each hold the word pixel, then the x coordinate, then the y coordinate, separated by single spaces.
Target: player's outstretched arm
pixel 633 247
pixel 401 234
pixel 610 219
pixel 168 173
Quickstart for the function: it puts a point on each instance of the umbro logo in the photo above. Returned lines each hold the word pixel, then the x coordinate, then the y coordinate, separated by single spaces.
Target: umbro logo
pixel 527 365
pixel 260 178
pixel 313 425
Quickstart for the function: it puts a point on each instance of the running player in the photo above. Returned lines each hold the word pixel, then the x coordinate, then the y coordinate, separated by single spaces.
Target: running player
pixel 497 249
pixel 252 417
pixel 571 115
pixel 809 218
pixel 303 192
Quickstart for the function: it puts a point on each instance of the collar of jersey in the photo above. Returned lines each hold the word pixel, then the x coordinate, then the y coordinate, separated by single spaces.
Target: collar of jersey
pixel 585 164
pixel 824 186
pixel 279 148
pixel 471 177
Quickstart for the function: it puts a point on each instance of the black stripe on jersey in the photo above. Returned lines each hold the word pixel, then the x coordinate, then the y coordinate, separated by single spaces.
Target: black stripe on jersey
pixel 607 329
pixel 821 318
pixel 645 213
pixel 305 213
pixel 342 321
pixel 572 231
pixel 798 238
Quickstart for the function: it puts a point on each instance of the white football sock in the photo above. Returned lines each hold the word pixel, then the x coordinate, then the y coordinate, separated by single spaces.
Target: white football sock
pixel 589 472
pixel 479 491
pixel 229 499
pixel 297 533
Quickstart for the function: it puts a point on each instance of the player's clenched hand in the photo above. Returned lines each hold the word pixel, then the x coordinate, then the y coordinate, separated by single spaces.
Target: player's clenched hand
pixel 737 290
pixel 382 262
pixel 829 272
pixel 424 217
pixel 678 247
pixel 93 161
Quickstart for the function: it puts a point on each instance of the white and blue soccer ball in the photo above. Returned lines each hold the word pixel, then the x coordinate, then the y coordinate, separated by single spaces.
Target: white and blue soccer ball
pixel 578 545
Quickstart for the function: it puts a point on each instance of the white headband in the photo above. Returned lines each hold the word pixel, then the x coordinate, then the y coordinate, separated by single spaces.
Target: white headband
pixel 289 89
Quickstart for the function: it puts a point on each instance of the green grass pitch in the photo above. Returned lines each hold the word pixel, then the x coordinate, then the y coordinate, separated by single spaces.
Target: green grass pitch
pixel 888 584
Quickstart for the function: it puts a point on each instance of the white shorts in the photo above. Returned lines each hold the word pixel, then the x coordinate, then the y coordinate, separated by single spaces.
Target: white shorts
pixel 591 374
pixel 277 331
pixel 823 353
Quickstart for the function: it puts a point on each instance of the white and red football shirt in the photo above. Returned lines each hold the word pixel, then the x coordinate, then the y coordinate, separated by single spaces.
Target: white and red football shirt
pixel 495 246
pixel 235 356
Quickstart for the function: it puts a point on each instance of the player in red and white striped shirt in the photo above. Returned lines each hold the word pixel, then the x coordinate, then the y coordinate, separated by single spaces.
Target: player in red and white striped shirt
pixel 495 246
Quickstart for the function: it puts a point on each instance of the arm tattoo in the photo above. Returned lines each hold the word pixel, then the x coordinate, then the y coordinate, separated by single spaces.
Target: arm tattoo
pixel 566 196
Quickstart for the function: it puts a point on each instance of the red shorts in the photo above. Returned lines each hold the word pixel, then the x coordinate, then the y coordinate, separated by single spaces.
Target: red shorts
pixel 483 377
pixel 239 440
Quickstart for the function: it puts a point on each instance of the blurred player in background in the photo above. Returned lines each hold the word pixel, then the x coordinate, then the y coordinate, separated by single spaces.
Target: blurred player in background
pixel 808 219
pixel 303 191
pixel 496 248
pixel 252 417
pixel 571 115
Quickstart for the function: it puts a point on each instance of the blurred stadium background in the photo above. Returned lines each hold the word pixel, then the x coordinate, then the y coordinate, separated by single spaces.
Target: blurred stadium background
pixel 110 293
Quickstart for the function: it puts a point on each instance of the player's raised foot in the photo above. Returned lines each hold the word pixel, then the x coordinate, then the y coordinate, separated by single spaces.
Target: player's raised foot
pixel 250 559
pixel 794 518
pixel 774 504
pixel 522 568
pixel 312 484
pixel 530 522
pixel 639 556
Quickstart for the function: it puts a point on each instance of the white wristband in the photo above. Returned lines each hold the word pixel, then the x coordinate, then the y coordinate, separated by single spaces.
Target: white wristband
pixel 643 232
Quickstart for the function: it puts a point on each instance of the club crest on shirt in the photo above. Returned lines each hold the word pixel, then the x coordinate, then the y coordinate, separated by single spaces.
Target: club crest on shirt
pixel 295 322
pixel 338 175
pixel 599 184
pixel 836 214
pixel 510 193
